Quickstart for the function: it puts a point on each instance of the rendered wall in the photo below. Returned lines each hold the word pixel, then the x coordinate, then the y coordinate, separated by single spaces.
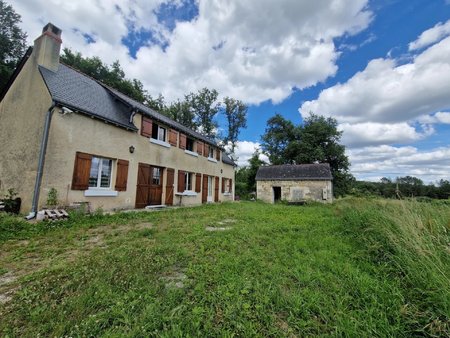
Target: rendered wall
pixel 295 191
pixel 74 132
pixel 22 116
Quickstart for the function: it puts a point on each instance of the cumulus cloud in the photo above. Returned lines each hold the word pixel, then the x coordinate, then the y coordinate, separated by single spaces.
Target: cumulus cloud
pixel 383 103
pixel 431 36
pixel 244 151
pixel 388 161
pixel 252 50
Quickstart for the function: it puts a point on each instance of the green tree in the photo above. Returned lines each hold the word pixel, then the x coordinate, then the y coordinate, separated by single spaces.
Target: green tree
pixel 182 112
pixel 254 163
pixel 315 141
pixel 236 113
pixel 205 107
pixel 12 42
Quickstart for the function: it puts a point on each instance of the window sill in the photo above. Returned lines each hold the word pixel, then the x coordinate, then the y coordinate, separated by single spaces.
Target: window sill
pixel 191 153
pixel 161 143
pixel 227 193
pixel 186 193
pixel 99 192
pixel 210 159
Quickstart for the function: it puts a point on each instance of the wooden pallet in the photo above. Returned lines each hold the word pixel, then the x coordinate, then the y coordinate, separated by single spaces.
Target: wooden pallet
pixel 55 214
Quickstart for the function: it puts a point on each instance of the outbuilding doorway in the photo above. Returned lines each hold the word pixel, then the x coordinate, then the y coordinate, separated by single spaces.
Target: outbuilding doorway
pixel 276 194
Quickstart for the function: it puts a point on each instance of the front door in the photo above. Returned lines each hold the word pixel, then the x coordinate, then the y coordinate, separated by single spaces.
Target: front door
pixel 149 186
pixel 156 186
pixel 143 185
pixel 169 186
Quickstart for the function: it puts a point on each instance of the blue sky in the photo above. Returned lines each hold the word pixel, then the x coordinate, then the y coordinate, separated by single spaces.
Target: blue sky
pixel 381 68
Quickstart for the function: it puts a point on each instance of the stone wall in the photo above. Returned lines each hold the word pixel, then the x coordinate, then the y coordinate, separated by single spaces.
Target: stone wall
pixel 295 191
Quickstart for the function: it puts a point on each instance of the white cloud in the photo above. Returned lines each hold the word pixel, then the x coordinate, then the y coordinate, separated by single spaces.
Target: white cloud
pixel 266 48
pixel 388 161
pixel 382 103
pixel 431 36
pixel 244 151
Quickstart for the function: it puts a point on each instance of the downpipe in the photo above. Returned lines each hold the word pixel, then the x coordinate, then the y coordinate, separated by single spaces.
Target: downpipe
pixel 40 169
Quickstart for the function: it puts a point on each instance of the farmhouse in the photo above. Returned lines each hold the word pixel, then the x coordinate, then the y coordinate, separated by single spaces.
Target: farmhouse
pixel 294 183
pixel 61 129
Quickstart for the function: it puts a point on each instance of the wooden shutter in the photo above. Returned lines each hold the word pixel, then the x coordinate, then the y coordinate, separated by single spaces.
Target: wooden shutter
pixel 223 185
pixel 122 175
pixel 216 190
pixel 200 146
pixel 182 141
pixel 146 127
pixel 231 186
pixel 218 154
pixel 81 170
pixel 205 189
pixel 181 185
pixel 198 182
pixel 173 136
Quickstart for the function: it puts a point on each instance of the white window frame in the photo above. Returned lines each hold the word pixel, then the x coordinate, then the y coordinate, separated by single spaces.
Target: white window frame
pixel 99 174
pixel 188 178
pixel 227 184
pixel 211 152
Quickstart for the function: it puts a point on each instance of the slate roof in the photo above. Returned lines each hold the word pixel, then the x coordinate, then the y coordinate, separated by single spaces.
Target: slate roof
pixel 82 93
pixel 290 172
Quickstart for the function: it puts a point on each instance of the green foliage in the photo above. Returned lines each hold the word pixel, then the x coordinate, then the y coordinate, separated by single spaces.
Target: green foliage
pixel 52 197
pixel 315 141
pixel 245 185
pixel 182 112
pixel 12 42
pixel 205 107
pixel 236 113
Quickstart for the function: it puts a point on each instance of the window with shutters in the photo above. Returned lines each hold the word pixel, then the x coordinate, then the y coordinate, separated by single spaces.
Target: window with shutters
pixel 100 173
pixel 188 178
pixel 190 144
pixel 159 133
pixel 211 152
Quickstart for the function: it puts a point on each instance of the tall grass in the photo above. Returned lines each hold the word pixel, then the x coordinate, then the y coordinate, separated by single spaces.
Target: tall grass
pixel 408 241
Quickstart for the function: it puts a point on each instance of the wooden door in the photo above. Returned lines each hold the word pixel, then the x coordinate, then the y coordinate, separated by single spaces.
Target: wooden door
pixel 216 190
pixel 205 189
pixel 143 185
pixel 169 186
pixel 156 186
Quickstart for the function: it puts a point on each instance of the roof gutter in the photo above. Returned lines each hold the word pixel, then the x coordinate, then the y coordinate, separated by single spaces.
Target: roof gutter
pixel 40 169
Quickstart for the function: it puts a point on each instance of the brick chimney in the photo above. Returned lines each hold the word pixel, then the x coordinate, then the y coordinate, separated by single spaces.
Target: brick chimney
pixel 47 47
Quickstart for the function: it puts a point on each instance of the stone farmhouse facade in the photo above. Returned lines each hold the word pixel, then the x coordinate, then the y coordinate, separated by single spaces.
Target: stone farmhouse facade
pixel 295 183
pixel 61 129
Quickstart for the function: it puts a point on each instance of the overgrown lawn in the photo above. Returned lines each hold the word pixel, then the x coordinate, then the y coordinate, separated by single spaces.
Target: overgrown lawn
pixel 354 268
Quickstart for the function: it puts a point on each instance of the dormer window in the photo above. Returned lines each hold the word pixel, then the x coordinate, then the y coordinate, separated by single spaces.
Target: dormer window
pixel 159 133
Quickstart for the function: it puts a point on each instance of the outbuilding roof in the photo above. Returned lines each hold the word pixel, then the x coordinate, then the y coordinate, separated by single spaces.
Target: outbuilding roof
pixel 86 95
pixel 290 172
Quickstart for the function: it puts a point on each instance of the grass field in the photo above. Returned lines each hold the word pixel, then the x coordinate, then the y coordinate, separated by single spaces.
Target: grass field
pixel 356 268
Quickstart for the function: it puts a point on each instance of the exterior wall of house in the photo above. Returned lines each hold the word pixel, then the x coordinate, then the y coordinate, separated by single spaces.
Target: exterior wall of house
pixel 71 133
pixel 295 191
pixel 22 117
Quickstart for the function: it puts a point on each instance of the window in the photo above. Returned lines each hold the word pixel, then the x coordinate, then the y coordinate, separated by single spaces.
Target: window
pixel 188 181
pixel 211 152
pixel 158 132
pixel 226 185
pixel 100 173
pixel 156 176
pixel 190 144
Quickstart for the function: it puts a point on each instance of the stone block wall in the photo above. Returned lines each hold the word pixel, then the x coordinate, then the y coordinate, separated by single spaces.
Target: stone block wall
pixel 295 191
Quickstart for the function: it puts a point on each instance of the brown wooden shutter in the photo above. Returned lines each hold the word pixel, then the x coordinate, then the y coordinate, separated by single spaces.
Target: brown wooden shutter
pixel 181 185
pixel 81 170
pixel 205 189
pixel 182 141
pixel 216 190
pixel 198 182
pixel 146 127
pixel 173 136
pixel 218 154
pixel 122 175
pixel 223 185
pixel 200 146
pixel 206 150
pixel 231 186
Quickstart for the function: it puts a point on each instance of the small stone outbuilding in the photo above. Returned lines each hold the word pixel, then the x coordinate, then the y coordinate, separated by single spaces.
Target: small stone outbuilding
pixel 295 183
